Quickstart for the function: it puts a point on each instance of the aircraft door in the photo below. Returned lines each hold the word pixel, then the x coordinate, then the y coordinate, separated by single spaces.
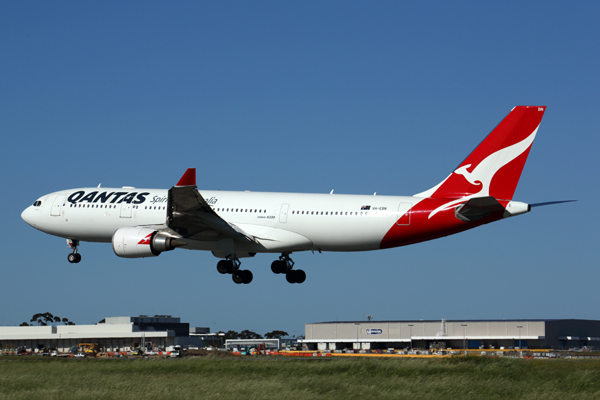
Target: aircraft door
pixel 404 213
pixel 125 210
pixel 57 205
pixel 284 212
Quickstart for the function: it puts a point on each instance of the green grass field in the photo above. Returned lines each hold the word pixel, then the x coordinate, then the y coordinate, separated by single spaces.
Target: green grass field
pixel 298 378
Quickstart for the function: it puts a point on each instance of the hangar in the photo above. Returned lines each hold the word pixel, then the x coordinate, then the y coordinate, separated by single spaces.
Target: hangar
pixel 456 334
pixel 115 333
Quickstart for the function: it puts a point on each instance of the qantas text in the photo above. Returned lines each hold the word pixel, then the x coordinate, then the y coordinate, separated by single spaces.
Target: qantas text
pixel 106 197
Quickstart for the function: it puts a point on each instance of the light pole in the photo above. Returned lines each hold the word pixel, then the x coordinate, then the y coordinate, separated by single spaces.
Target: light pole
pixel 520 349
pixel 410 330
pixel 464 338
pixel 357 342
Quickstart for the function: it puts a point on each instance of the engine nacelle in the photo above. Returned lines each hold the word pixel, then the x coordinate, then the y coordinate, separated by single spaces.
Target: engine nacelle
pixel 138 242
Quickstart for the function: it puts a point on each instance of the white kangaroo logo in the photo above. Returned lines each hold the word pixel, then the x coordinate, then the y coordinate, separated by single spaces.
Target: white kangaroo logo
pixel 484 172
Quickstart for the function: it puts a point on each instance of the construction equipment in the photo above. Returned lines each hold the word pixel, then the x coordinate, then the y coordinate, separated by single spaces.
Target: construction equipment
pixel 89 349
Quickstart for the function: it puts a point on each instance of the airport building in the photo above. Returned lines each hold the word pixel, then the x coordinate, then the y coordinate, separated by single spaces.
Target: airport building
pixel 114 334
pixel 456 334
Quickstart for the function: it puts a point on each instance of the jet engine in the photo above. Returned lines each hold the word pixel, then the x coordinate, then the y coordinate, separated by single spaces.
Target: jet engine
pixel 138 242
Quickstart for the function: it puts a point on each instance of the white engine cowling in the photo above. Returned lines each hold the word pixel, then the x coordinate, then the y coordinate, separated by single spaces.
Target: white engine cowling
pixel 137 242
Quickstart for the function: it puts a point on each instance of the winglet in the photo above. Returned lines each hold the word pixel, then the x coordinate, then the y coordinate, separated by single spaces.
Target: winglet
pixel 188 178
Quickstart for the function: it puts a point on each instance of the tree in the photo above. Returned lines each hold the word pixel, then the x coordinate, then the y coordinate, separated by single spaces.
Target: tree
pixel 24 324
pixel 231 335
pixel 246 334
pixel 276 335
pixel 46 318
pixel 42 318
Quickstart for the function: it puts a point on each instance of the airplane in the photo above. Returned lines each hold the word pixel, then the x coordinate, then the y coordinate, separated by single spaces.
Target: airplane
pixel 235 225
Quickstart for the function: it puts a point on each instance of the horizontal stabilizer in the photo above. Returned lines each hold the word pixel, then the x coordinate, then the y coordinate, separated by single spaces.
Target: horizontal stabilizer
pixel 477 208
pixel 548 203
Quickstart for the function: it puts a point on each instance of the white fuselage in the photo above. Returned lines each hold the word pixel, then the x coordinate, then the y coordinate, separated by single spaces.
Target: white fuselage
pixel 280 221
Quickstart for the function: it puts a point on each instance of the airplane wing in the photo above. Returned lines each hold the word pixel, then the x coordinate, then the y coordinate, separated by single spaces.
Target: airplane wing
pixel 193 218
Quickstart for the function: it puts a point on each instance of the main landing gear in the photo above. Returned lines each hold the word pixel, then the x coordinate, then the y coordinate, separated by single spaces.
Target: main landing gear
pixel 232 266
pixel 74 257
pixel 285 266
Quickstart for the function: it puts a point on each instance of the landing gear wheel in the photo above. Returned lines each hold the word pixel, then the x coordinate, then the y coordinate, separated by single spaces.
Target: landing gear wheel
pixel 295 276
pixel 225 266
pixel 300 276
pixel 72 258
pixel 247 276
pixel 77 257
pixel 291 276
pixel 238 276
pixel 278 267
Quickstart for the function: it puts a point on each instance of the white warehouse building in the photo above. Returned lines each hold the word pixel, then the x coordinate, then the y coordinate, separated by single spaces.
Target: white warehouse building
pixel 115 333
pixel 455 334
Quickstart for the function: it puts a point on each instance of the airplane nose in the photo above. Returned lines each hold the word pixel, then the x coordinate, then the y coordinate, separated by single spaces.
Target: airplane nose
pixel 27 216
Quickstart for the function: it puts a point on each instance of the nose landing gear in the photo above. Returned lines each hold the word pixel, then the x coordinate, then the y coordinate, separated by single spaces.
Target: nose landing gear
pixel 74 257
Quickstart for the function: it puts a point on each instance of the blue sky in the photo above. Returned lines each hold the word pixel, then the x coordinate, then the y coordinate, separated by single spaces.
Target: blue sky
pixel 359 97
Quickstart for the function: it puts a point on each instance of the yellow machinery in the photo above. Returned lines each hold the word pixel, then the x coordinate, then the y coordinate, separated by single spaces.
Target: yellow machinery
pixel 89 349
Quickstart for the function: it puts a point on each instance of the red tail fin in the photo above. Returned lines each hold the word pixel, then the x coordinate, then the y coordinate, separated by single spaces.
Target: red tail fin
pixel 495 166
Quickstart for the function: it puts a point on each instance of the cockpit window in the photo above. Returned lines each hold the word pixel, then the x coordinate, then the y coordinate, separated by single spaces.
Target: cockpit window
pixel 37 203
